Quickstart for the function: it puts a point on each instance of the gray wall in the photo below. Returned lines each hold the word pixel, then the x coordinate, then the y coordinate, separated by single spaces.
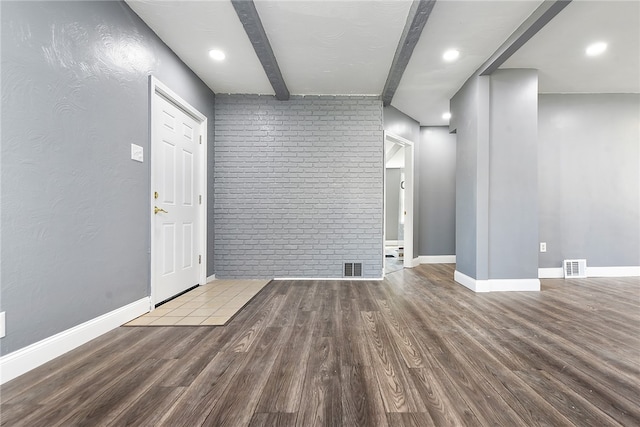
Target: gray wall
pixel 589 178
pixel 298 186
pixel 398 123
pixel 75 208
pixel 437 165
pixel 513 182
pixel 496 185
pixel 470 120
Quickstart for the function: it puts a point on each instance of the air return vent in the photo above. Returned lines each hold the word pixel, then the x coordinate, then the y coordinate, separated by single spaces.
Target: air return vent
pixel 352 269
pixel 575 268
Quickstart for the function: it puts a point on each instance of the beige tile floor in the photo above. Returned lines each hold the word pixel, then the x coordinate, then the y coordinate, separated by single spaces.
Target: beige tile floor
pixel 210 305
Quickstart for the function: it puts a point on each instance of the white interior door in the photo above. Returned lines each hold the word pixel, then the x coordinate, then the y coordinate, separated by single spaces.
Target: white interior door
pixel 176 179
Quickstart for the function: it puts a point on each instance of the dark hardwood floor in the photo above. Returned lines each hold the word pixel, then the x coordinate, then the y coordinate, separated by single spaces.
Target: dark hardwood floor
pixel 413 350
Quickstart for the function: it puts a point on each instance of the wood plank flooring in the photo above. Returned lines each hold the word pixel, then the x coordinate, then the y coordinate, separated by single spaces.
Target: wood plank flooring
pixel 415 349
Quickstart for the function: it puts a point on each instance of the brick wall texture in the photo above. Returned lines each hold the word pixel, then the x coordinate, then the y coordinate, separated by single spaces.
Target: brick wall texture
pixel 298 186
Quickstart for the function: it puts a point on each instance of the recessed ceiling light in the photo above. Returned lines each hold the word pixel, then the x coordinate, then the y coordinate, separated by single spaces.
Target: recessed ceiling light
pixel 446 116
pixel 451 55
pixel 217 54
pixel 596 49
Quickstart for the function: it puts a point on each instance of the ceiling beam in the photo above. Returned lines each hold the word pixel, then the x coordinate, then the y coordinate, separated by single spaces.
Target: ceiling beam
pixel 417 18
pixel 530 27
pixel 252 24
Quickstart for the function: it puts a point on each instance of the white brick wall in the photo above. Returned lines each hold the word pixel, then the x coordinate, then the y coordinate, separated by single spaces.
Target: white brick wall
pixel 298 186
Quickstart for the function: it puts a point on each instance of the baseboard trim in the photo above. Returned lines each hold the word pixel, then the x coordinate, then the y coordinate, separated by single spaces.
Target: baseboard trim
pixel 331 278
pixel 22 361
pixel 437 259
pixel 558 272
pixel 497 285
pixel 211 278
pixel 631 271
pixel 551 273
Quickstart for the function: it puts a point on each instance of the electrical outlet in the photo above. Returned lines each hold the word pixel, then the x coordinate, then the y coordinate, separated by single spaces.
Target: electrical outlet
pixel 543 246
pixel 2 328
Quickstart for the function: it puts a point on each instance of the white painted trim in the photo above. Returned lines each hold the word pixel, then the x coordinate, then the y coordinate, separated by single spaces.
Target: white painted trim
pixel 551 273
pixel 394 242
pixel 415 262
pixel 211 278
pixel 464 280
pixel 409 167
pixel 341 279
pixel 437 259
pixel 156 86
pixel 21 361
pixel 497 285
pixel 558 272
pixel 631 271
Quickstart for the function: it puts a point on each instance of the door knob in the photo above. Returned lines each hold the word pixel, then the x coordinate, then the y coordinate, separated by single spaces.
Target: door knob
pixel 157 209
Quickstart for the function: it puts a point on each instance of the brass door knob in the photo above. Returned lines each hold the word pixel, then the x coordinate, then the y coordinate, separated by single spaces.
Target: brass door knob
pixel 157 209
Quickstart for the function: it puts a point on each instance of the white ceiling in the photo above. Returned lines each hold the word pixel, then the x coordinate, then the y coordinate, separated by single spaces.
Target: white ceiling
pixel 338 47
pixel 558 50
pixel 476 29
pixel 334 47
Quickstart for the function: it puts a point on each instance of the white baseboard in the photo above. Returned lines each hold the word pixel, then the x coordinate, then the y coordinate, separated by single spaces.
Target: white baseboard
pixel 558 272
pixel 437 259
pixel 21 361
pixel 631 271
pixel 550 273
pixel 331 278
pixel 211 278
pixel 497 285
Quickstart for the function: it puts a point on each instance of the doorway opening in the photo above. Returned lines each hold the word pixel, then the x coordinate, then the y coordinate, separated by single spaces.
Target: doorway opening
pixel 398 203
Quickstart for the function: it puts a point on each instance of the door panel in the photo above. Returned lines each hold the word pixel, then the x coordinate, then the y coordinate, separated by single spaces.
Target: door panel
pixel 175 176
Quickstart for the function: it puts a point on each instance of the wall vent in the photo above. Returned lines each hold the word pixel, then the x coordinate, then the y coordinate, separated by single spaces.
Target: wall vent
pixel 352 269
pixel 575 268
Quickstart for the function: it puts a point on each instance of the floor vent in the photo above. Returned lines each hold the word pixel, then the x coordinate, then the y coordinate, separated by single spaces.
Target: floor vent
pixel 575 268
pixel 352 269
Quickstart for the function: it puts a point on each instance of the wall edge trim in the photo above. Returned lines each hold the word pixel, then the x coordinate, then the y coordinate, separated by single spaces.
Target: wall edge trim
pixel 625 271
pixel 211 278
pixel 25 359
pixel 437 259
pixel 340 279
pixel 629 271
pixel 497 285
pixel 551 273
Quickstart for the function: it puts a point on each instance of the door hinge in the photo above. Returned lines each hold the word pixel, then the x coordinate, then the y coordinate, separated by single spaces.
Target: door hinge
pixel 200 139
pixel 199 259
pixel 200 199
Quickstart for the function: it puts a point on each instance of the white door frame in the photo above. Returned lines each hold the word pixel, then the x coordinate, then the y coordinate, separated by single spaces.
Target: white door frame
pixel 157 87
pixel 408 198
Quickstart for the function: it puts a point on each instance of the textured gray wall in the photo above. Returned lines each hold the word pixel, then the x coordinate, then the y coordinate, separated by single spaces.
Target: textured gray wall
pixel 437 164
pixel 589 177
pixel 298 186
pixel 513 175
pixel 392 196
pixel 470 120
pixel 398 123
pixel 75 208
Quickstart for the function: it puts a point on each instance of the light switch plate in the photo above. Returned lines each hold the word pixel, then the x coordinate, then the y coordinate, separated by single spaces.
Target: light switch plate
pixel 2 327
pixel 137 153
